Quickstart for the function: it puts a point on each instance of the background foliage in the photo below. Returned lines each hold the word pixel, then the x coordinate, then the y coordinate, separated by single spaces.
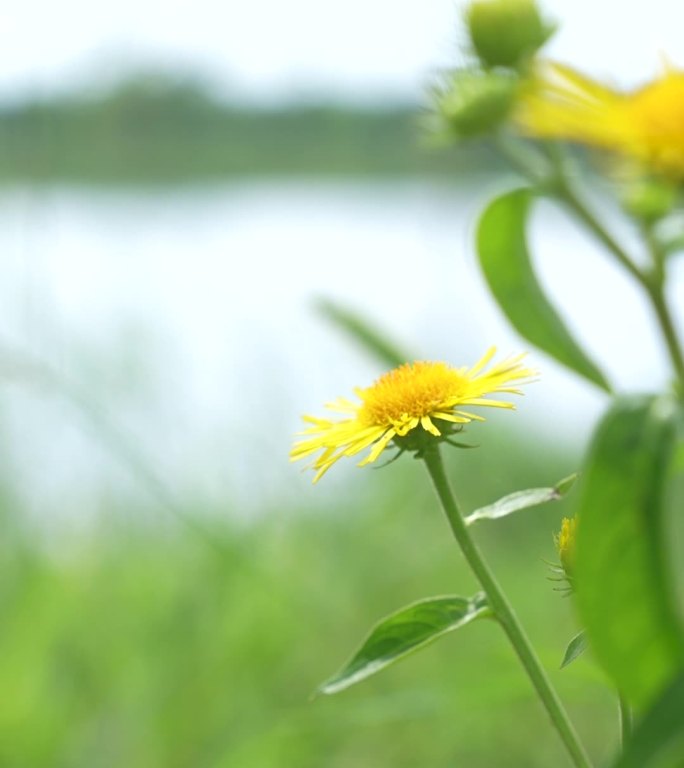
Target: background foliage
pixel 144 646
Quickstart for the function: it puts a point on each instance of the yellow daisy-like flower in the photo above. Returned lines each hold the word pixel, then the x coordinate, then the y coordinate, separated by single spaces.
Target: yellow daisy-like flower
pixel 414 396
pixel 646 124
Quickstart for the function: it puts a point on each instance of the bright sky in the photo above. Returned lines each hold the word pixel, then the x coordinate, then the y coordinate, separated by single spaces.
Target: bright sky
pixel 270 48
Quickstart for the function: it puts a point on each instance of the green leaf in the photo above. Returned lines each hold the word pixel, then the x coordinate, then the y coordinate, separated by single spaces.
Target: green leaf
pixel 658 739
pixel 623 588
pixel 564 485
pixel 404 632
pixel 505 261
pixel 361 330
pixel 514 502
pixel 576 647
pixel 678 461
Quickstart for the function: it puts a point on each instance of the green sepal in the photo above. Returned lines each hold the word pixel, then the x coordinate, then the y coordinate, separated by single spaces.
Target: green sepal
pixel 474 103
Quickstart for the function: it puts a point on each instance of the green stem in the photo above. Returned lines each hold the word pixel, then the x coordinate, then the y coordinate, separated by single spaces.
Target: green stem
pixel 554 179
pixel 503 611
pixel 625 720
pixel 652 284
pixel 662 312
pixel 524 159
pixel 567 195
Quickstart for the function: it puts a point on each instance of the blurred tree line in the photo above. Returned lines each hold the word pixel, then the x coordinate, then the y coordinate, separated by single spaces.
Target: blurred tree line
pixel 157 129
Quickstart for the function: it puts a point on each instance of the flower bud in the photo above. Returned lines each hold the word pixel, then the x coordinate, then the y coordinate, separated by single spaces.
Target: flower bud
pixel 648 200
pixel 565 544
pixel 475 103
pixel 505 33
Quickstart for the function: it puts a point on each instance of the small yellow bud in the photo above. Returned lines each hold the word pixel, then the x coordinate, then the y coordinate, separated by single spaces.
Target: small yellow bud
pixel 475 103
pixel 506 33
pixel 565 544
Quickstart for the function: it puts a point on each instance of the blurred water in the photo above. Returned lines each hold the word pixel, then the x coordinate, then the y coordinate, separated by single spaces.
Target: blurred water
pixel 185 318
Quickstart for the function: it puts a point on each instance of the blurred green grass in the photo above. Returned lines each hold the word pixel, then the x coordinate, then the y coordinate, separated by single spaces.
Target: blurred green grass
pixel 140 645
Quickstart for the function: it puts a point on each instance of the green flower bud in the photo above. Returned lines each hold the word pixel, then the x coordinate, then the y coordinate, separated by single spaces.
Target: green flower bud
pixel 506 33
pixel 648 200
pixel 474 103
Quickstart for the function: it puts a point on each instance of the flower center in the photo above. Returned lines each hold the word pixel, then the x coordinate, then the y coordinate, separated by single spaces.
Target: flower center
pixel 413 390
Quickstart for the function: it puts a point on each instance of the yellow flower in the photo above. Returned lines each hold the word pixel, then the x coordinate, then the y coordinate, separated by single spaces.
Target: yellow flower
pixel 413 396
pixel 565 544
pixel 646 124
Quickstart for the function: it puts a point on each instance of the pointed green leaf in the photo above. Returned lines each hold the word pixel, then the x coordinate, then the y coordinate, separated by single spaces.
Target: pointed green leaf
pixel 623 588
pixel 404 632
pixel 514 502
pixel 658 741
pixel 505 261
pixel 576 647
pixel 564 485
pixel 362 330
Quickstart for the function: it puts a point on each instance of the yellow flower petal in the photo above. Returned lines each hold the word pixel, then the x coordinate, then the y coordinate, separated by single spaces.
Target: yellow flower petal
pixel 428 426
pixel 646 124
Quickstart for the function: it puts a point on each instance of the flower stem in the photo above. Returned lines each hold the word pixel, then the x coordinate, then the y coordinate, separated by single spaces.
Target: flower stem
pixel 503 611
pixel 652 285
pixel 569 197
pixel 554 180
pixel 656 294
